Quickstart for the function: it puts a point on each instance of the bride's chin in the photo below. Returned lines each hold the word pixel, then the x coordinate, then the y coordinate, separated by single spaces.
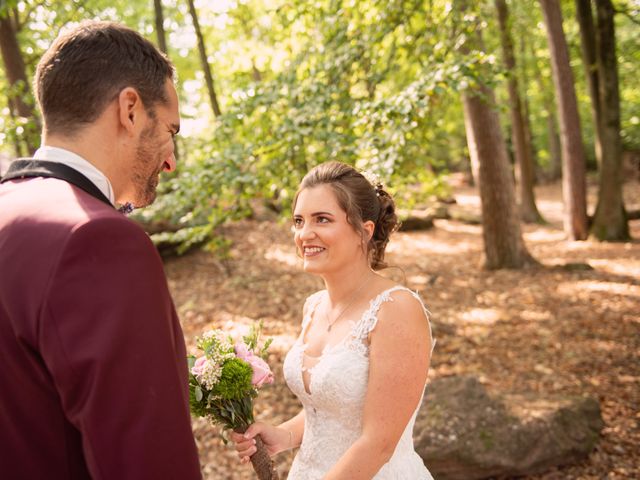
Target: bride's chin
pixel 309 267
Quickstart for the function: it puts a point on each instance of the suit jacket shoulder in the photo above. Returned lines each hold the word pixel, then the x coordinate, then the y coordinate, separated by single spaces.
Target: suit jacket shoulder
pixel 92 343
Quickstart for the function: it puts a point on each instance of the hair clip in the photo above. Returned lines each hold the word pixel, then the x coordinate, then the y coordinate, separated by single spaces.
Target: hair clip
pixel 373 179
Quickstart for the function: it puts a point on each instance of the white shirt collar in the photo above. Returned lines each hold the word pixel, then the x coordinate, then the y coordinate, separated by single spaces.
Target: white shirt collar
pixel 60 155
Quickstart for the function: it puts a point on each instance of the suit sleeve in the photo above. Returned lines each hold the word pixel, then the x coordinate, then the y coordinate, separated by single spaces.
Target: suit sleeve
pixel 111 339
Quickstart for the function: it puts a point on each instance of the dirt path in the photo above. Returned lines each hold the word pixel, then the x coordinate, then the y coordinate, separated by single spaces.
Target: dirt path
pixel 548 330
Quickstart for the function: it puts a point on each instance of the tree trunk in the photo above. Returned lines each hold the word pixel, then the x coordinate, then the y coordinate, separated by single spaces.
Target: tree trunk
pixel 161 37
pixel 527 127
pixel 204 61
pixel 503 244
pixel 17 77
pixel 573 159
pixel 160 34
pixel 588 44
pixel 554 170
pixel 610 220
pixel 17 145
pixel 522 148
pixel 255 73
pixel 555 147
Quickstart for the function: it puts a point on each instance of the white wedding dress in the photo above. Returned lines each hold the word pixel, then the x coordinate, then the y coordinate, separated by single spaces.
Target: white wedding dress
pixel 334 404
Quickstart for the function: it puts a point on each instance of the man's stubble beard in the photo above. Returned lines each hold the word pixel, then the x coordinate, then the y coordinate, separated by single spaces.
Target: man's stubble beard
pixel 145 179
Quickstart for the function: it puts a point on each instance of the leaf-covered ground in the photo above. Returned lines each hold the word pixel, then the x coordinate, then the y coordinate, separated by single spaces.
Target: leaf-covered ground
pixel 547 330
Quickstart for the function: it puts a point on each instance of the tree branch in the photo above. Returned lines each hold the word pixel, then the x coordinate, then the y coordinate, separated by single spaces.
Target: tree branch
pixel 628 14
pixel 27 14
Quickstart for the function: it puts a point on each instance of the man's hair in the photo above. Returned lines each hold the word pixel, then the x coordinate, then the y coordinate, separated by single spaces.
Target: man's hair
pixel 86 68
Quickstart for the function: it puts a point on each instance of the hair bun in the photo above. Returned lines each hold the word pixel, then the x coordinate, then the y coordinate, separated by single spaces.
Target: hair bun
pixel 362 196
pixel 386 224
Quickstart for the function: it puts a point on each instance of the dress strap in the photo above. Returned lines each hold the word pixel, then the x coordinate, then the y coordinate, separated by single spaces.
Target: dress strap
pixel 370 317
pixel 310 305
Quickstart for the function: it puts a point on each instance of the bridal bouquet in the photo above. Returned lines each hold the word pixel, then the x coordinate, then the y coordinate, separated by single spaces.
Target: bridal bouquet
pixel 224 381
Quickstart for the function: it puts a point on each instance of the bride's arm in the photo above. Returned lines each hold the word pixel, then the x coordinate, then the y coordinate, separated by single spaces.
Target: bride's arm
pixel 295 427
pixel 286 436
pixel 398 364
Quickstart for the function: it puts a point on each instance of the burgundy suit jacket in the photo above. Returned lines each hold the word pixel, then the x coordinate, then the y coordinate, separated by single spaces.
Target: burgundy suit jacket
pixel 93 376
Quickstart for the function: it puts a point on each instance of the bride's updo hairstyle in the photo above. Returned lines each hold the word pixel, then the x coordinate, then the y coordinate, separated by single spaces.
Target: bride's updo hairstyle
pixel 361 200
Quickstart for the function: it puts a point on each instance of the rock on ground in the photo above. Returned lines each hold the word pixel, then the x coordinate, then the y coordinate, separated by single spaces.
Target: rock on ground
pixel 463 432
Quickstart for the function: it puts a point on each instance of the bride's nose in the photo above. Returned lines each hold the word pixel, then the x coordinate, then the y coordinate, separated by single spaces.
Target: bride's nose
pixel 307 232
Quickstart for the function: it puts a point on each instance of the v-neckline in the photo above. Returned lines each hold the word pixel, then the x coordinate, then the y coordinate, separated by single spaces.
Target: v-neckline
pixel 329 348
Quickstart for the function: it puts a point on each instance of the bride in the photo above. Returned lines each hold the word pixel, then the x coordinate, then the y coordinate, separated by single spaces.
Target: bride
pixel 360 364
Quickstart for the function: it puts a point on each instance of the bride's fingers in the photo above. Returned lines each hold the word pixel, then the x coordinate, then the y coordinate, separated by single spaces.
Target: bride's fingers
pixel 247 452
pixel 244 446
pixel 253 430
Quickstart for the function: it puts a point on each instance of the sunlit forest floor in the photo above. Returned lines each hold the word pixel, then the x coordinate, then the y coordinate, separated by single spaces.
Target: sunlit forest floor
pixel 548 330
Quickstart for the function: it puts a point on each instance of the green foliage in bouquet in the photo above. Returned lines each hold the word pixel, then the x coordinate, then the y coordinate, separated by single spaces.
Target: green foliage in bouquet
pixel 224 381
pixel 235 381
pixel 234 384
pixel 252 340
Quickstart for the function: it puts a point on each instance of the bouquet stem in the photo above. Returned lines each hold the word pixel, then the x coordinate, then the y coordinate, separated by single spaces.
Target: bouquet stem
pixel 261 461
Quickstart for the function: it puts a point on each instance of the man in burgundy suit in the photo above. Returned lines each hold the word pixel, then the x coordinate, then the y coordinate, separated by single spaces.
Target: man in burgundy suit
pixel 93 375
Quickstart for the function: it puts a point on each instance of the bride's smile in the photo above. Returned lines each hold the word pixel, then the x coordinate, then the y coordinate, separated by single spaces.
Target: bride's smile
pixel 360 363
pixel 323 235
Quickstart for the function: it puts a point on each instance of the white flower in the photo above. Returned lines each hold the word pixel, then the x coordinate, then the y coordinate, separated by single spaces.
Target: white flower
pixel 217 349
pixel 210 374
pixel 372 178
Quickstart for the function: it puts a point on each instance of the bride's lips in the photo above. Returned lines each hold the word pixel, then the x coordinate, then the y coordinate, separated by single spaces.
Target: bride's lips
pixel 312 250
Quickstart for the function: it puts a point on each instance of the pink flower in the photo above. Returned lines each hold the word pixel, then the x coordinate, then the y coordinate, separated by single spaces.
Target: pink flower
pixel 198 366
pixel 262 374
pixel 242 352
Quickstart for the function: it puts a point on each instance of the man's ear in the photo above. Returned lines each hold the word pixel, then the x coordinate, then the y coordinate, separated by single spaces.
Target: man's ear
pixel 129 108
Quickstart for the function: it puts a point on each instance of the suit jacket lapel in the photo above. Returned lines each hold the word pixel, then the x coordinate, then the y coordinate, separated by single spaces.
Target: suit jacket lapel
pixel 29 168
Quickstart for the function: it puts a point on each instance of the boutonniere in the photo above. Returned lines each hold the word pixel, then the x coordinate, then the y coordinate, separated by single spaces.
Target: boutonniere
pixel 126 209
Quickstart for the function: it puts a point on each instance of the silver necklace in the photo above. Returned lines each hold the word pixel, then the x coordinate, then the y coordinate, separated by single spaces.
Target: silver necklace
pixel 349 303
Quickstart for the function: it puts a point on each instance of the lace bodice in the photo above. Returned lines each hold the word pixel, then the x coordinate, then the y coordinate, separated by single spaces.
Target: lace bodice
pixel 334 403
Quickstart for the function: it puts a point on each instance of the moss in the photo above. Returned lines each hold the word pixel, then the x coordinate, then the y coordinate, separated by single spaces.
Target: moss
pixel 486 438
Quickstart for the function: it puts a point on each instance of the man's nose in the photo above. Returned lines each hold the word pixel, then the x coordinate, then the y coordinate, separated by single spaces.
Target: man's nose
pixel 170 163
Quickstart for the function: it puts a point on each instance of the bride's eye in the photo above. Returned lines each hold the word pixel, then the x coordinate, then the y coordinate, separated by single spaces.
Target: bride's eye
pixel 322 219
pixel 297 222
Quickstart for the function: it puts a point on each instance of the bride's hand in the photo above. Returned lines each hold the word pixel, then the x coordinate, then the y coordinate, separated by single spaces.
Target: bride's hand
pixel 276 439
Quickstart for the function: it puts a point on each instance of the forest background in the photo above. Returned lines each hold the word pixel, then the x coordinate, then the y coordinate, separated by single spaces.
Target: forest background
pixel 509 96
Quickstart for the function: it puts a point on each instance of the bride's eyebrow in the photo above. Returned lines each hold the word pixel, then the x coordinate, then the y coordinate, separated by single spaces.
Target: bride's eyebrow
pixel 315 214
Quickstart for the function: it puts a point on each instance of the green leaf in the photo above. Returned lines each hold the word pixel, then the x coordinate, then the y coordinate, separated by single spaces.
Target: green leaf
pixel 191 360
